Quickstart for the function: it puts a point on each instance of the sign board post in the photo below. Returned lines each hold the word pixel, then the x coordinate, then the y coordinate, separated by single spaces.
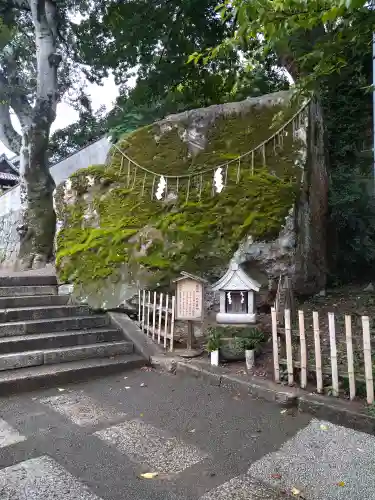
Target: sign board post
pixel 190 304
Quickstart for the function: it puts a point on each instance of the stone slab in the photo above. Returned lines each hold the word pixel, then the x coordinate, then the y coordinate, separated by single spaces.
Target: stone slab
pixel 14 291
pixel 27 279
pixel 323 461
pixel 81 409
pixel 244 487
pixel 42 312
pixel 41 479
pixel 32 301
pixel 27 379
pixel 145 444
pixel 18 360
pixel 52 325
pixel 9 435
pixel 104 349
pixel 54 340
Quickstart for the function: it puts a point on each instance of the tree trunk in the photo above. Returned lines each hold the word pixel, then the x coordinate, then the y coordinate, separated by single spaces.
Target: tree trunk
pixel 312 209
pixel 38 220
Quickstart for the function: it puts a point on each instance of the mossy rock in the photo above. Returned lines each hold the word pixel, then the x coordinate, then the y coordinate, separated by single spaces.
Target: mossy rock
pixel 111 223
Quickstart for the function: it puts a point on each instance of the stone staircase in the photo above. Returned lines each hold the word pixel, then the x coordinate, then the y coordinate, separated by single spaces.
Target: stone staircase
pixel 45 341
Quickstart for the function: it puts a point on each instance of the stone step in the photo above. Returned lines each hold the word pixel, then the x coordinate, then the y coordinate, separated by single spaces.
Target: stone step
pixel 16 291
pixel 23 279
pixel 27 379
pixel 16 360
pixel 33 301
pixel 53 325
pixel 55 340
pixel 46 312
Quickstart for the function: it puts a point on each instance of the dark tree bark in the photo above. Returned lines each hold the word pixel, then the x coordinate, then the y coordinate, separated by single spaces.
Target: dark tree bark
pixel 312 207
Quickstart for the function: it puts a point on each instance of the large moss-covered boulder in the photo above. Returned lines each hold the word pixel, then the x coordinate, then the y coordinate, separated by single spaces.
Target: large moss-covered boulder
pixel 115 236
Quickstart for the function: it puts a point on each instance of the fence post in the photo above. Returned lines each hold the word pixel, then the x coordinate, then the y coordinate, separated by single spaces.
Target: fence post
pixel 143 309
pixel 349 351
pixel 333 348
pixel 302 336
pixel 160 316
pixel 289 350
pixel 166 321
pixel 275 343
pixel 154 318
pixel 318 355
pixel 148 312
pixel 171 346
pixel 139 307
pixel 368 360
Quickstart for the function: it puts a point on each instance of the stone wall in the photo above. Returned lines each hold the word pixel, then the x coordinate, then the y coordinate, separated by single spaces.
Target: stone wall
pixel 113 239
pixel 10 205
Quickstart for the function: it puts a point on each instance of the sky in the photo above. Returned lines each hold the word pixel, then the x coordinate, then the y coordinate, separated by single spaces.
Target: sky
pixel 100 95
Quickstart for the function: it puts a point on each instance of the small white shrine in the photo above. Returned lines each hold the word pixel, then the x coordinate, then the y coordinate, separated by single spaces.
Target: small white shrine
pixel 237 297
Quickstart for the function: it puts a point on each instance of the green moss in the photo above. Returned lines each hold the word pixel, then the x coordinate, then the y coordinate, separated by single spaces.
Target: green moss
pixel 198 235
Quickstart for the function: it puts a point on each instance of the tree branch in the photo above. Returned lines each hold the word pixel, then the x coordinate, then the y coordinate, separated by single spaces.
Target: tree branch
pixel 8 136
pixel 48 60
pixel 24 111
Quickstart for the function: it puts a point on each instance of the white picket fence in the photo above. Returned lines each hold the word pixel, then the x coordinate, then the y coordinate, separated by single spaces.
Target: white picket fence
pixel 156 313
pixel 301 362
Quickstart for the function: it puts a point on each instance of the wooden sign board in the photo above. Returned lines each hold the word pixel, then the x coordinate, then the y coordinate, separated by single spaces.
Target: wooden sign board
pixel 189 300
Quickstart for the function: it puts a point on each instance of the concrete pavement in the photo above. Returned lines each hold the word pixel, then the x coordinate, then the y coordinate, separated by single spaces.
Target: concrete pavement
pixel 92 441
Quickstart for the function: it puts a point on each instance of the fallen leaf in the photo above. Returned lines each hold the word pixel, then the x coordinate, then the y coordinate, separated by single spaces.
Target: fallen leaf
pixel 295 492
pixel 141 414
pixel 276 476
pixel 324 427
pixel 341 483
pixel 149 475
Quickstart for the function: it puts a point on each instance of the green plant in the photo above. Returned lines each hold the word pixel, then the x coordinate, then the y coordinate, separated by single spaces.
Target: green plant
pixel 214 340
pixel 247 344
pixel 250 339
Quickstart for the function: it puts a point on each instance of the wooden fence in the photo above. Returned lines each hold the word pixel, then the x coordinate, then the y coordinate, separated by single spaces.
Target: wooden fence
pixel 314 350
pixel 156 313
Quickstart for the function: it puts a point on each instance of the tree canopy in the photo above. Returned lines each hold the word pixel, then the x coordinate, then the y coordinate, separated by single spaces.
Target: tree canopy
pixel 309 38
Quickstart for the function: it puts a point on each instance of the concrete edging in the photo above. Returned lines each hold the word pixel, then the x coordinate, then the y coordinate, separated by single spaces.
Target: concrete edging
pixel 345 413
pixel 260 388
pixel 143 345
pixel 337 411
